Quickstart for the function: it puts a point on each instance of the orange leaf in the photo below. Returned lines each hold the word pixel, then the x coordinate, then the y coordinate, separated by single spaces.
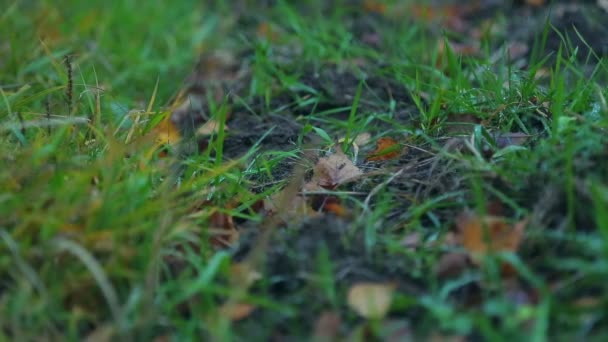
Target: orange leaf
pixel 335 208
pixel 483 235
pixel 386 148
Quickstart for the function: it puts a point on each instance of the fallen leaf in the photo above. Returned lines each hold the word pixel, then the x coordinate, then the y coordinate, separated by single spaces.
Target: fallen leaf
pixel 386 149
pixel 210 127
pixel 329 172
pixel 166 132
pixel 236 311
pixel 483 235
pixel 371 300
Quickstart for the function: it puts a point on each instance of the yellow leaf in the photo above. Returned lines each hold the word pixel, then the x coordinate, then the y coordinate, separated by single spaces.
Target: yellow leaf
pixel 371 300
pixel 166 132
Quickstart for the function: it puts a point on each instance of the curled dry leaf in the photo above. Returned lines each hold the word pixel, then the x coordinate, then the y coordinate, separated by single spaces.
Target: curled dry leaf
pixel 332 171
pixel 371 300
pixel 386 148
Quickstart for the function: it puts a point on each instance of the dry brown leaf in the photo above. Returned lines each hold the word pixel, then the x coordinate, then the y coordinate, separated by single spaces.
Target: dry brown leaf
pixel 483 235
pixel 332 171
pixel 236 311
pixel 210 127
pixel 386 149
pixel 371 300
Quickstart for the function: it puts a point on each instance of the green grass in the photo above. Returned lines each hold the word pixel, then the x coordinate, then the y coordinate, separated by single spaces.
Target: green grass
pixel 100 233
